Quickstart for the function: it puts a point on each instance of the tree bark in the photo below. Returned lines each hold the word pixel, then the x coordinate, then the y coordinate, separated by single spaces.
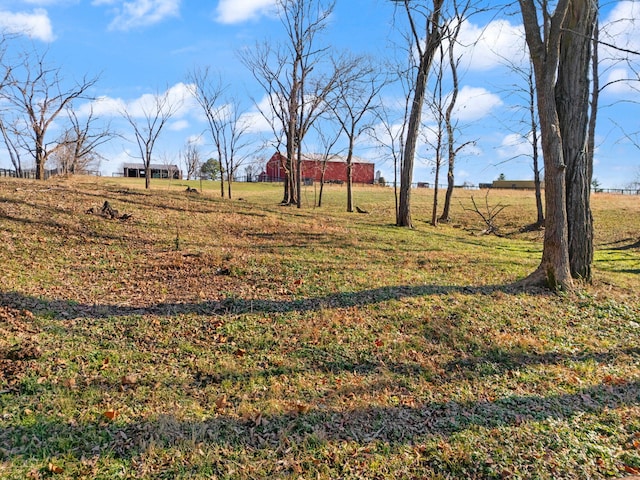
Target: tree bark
pixel 433 40
pixel 554 268
pixel 536 158
pixel 572 100
pixel 406 169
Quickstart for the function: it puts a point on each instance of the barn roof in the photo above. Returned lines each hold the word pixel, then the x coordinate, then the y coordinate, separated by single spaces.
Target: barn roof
pixel 153 166
pixel 319 157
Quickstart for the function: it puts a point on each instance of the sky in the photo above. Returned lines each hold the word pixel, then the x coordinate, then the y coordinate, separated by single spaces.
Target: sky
pixel 140 48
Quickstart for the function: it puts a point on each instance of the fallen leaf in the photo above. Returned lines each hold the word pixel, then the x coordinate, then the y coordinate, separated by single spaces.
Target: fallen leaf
pixel 258 420
pixel 240 352
pixel 302 408
pixel 27 411
pixel 131 379
pixel 111 414
pixel 55 468
pixel 632 470
pixel 105 363
pixel 611 380
pixel 379 342
pixel 221 401
pixel 70 383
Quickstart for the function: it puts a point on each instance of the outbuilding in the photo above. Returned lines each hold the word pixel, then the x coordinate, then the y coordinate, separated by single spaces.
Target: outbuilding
pixel 313 165
pixel 137 170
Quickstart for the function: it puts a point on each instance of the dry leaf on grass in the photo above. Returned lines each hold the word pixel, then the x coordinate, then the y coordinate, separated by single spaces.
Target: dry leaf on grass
pixel 221 401
pixel 130 379
pixel 55 468
pixel 70 383
pixel 111 414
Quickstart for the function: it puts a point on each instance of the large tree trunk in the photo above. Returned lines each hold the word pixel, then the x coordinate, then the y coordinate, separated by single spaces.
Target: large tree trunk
pixel 413 130
pixel 554 268
pixel 39 161
pixel 572 100
pixel 298 190
pixel 433 40
pixel 446 216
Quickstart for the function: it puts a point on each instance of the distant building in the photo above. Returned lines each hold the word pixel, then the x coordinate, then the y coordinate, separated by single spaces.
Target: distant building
pixel 516 184
pixel 137 170
pixel 311 169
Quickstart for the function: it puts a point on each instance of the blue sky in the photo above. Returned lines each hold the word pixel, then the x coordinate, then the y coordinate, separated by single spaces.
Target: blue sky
pixel 142 47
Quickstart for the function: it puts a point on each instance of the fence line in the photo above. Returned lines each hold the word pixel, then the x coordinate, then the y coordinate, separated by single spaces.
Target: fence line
pixel 31 174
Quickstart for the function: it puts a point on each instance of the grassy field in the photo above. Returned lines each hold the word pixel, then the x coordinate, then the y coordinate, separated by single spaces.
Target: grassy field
pixel 239 339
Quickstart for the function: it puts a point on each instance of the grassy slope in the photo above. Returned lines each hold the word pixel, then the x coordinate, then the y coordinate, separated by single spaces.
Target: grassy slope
pixel 241 339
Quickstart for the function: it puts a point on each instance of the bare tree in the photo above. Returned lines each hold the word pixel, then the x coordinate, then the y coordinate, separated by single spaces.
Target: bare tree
pixel 10 128
pixel 435 134
pixel 535 154
pixel 231 139
pixel 352 102
pixel 426 49
pixel 191 158
pixel 79 144
pixel 39 95
pixel 147 124
pixel 226 123
pixel 526 89
pixel 11 135
pixel 296 97
pixel 328 138
pixel 208 92
pixel 452 147
pixel 389 133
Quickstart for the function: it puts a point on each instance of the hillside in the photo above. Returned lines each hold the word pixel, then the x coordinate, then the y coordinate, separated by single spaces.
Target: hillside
pixel 199 337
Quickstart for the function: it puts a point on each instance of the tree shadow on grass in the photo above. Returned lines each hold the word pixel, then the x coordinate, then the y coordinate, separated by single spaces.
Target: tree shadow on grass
pixel 395 425
pixel 631 246
pixel 498 361
pixel 65 309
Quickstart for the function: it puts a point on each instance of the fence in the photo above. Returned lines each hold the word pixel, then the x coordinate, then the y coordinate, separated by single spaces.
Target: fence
pixel 31 173
pixel 619 191
pixel 6 172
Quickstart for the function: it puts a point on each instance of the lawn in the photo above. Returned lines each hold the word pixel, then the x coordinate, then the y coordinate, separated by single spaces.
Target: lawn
pixel 239 339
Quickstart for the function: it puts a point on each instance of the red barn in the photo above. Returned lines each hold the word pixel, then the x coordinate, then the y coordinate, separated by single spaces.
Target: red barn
pixel 311 169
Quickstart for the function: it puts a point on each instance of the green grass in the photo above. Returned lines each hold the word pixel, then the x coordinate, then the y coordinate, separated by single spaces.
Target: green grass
pixel 243 339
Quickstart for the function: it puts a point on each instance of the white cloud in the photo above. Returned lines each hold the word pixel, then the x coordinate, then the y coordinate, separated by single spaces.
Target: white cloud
pixel 178 95
pixel 621 81
pixel 621 28
pixel 179 125
pixel 101 107
pixel 256 122
pixel 236 11
pixel 140 13
pixel 474 103
pixel 495 44
pixel 35 24
pixel 515 145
